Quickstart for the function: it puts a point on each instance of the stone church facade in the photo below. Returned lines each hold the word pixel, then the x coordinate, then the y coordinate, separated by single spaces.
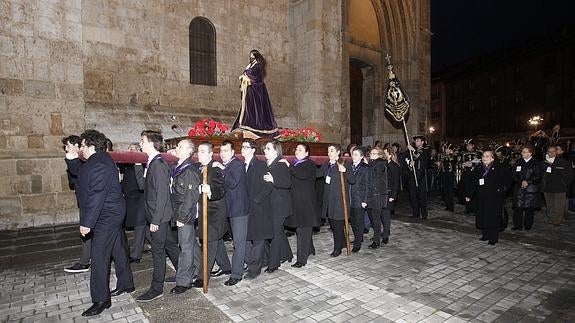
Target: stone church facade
pixel 121 66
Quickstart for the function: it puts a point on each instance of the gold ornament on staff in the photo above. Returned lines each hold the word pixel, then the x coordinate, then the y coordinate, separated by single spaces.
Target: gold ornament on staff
pixel 205 231
pixel 397 104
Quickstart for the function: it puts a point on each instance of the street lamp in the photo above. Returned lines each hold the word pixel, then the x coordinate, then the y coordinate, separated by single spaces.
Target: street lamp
pixel 535 121
pixel 431 131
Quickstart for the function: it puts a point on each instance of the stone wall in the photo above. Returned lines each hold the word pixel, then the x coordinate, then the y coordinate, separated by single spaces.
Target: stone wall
pixel 121 66
pixel 41 99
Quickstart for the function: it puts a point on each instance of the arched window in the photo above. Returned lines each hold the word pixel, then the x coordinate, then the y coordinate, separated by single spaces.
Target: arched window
pixel 203 69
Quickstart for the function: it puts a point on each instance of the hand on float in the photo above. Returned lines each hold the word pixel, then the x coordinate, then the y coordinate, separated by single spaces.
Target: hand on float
pixel 153 227
pixel 218 165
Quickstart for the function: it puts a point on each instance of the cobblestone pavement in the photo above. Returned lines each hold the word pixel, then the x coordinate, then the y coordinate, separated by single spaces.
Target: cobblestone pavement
pixel 427 273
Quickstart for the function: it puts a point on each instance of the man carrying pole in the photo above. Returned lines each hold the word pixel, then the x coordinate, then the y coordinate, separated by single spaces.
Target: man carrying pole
pixel 213 221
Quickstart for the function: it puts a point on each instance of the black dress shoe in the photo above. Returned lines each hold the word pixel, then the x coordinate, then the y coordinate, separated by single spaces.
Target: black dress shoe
pixel 385 240
pixel 483 239
pixel 149 296
pixel 134 260
pixel 297 264
pixel 198 283
pixel 335 253
pixel 355 249
pixel 179 289
pixel 271 270
pixel 374 245
pixel 118 291
pixel 219 272
pixel 171 279
pixel 250 276
pixel 232 281
pixel 97 308
pixel 288 260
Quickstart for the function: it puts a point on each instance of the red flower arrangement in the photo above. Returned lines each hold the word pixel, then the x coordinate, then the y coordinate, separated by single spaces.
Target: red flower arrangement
pixel 303 134
pixel 208 128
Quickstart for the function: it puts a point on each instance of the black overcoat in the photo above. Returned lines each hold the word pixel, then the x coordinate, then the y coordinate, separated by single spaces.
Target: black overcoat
pixel 378 190
pixel 259 221
pixel 358 192
pixel 489 186
pixel 280 198
pixel 303 195
pixel 332 206
pixel 157 198
pixel 185 191
pixel 217 215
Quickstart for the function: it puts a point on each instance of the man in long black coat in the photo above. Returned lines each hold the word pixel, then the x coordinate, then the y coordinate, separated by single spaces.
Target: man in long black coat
pixel 303 196
pixel 259 221
pixel 418 190
pixel 102 212
pixel 217 217
pixel 358 196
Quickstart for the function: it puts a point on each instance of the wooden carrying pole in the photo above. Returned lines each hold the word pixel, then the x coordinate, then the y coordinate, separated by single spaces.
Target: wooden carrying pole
pixel 345 213
pixel 205 231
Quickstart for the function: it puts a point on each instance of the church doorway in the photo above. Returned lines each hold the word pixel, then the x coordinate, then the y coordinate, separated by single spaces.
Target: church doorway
pixel 361 97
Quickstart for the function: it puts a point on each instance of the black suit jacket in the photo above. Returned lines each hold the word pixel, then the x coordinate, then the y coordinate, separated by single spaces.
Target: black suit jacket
pixel 157 196
pixel 236 188
pixel 100 196
pixel 358 191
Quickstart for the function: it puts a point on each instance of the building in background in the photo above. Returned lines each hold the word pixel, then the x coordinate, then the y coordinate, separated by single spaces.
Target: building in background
pixel 496 94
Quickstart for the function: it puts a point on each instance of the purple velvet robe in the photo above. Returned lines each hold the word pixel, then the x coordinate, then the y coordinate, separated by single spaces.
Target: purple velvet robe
pixel 256 115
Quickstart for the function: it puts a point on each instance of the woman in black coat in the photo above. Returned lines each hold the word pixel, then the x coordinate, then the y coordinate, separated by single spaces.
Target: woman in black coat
pixel 358 195
pixel 527 178
pixel 332 205
pixel 279 179
pixel 378 196
pixel 304 216
pixel 489 184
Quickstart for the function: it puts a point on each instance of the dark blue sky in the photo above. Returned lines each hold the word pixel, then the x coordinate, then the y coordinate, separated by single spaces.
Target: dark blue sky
pixel 463 29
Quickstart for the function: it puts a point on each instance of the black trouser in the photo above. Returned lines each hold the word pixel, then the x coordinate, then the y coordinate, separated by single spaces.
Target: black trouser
pixel 491 235
pixel 304 244
pixel 256 256
pixel 163 241
pixel 280 249
pixel 356 219
pixel 212 251
pixel 338 234
pixel 418 197
pixel 448 182
pixel 108 244
pixel 519 221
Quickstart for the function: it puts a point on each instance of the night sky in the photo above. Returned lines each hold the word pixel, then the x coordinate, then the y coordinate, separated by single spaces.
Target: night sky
pixel 463 29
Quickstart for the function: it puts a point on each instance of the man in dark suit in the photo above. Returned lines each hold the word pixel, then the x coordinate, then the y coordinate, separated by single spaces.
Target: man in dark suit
pixel 102 212
pixel 73 163
pixel 237 209
pixel 418 190
pixel 159 212
pixel 259 221
pixel 358 196
pixel 217 219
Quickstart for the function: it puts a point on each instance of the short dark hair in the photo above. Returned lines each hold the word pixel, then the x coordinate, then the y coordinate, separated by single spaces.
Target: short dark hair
pixel 396 145
pixel 207 144
pixel 155 137
pixel 304 145
pixel 337 147
pixel 94 138
pixel 360 149
pixel 73 139
pixel 228 142
pixel 109 145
